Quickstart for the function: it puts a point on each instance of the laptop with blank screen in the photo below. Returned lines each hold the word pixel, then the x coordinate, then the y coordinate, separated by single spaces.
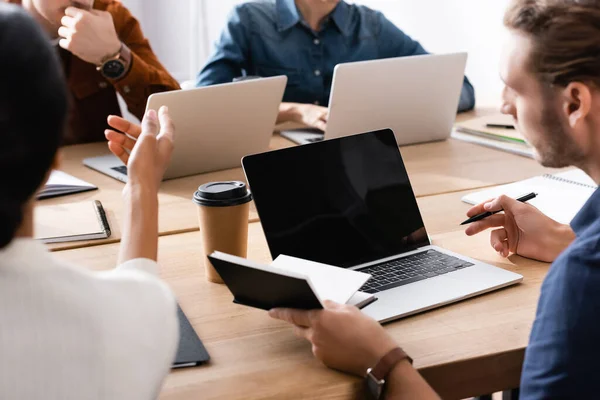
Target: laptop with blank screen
pixel 348 202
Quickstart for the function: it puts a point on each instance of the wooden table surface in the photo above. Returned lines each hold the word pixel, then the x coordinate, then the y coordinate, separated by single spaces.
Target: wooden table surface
pixel 464 349
pixel 434 168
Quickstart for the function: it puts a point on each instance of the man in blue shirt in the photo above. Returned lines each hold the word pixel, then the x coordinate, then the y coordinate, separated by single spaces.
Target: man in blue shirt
pixel 551 70
pixel 305 40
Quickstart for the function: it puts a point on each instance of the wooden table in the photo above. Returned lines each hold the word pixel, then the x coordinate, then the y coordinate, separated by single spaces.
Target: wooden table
pixel 465 349
pixel 434 168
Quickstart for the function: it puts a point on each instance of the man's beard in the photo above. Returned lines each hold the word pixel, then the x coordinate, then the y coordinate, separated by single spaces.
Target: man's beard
pixel 557 149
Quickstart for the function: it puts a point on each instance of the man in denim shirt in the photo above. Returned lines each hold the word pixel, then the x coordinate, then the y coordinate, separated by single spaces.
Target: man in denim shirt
pixel 551 71
pixel 305 40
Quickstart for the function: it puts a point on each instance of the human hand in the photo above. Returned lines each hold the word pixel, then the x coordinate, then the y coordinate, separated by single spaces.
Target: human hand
pixel 308 114
pixel 342 337
pixel 89 34
pixel 523 230
pixel 150 154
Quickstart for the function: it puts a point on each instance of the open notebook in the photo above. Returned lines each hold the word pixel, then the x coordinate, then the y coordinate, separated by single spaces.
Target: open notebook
pixel 61 183
pixel 71 222
pixel 560 196
pixel 290 282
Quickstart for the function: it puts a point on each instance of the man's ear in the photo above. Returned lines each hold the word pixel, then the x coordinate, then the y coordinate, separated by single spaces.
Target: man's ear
pixel 577 103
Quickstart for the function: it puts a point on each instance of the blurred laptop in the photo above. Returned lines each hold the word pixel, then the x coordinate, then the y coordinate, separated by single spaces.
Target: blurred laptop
pixel 216 126
pixel 417 97
pixel 348 202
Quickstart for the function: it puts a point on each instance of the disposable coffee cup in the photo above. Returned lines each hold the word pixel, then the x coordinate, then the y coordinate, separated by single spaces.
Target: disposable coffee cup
pixel 223 209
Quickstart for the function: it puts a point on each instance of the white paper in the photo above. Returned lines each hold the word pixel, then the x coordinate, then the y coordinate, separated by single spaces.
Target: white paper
pixel 328 282
pixel 559 200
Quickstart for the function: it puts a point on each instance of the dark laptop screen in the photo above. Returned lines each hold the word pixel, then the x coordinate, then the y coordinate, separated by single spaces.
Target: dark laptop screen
pixel 342 202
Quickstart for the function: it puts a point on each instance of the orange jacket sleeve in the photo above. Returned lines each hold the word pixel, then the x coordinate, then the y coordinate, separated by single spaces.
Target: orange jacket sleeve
pixel 146 75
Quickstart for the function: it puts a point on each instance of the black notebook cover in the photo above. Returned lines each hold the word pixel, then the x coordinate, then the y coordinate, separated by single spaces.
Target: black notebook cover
pixel 265 290
pixel 191 351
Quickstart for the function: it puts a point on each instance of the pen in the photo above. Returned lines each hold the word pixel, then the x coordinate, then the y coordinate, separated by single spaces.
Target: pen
pixel 501 126
pixel 484 215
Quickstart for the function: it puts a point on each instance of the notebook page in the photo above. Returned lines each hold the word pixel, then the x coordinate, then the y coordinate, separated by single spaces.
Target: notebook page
pixel 577 175
pixel 329 283
pixel 66 220
pixel 559 200
pixel 62 179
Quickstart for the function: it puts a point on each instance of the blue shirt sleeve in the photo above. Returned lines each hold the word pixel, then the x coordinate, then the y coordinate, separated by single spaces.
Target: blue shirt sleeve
pixel 563 352
pixel 229 58
pixel 395 43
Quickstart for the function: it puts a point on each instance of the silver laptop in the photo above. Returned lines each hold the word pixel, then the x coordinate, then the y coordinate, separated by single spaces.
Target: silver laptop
pixel 348 202
pixel 417 97
pixel 216 126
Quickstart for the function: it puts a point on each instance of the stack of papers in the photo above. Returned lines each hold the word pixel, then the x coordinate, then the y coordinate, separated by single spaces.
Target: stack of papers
pixel 476 131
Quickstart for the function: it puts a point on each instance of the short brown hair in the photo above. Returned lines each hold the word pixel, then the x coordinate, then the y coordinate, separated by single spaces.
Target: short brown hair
pixel 565 35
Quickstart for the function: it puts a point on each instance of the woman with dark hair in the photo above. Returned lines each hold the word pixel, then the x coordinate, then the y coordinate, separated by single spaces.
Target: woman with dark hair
pixel 67 333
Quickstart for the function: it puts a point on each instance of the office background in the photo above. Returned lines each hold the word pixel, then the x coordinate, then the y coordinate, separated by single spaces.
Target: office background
pixel 182 32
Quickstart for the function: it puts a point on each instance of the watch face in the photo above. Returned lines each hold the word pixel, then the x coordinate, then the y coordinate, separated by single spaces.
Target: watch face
pixel 113 69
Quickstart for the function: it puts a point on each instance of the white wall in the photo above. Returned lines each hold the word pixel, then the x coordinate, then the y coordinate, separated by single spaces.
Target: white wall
pixel 182 32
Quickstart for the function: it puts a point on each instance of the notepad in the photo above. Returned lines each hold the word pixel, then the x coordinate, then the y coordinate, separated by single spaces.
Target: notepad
pixel 560 196
pixel 61 183
pixel 290 282
pixel 71 222
pixel 478 127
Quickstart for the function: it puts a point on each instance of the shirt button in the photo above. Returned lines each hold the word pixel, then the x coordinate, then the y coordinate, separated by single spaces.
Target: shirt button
pixel 127 89
pixel 103 85
pixel 317 103
pixel 317 72
pixel 316 42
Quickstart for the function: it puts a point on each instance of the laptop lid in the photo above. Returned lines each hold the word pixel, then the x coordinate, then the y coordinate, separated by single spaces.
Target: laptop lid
pixel 218 125
pixel 342 202
pixel 417 97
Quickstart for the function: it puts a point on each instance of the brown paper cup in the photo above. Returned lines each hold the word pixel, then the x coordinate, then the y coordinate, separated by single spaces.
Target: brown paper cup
pixel 223 209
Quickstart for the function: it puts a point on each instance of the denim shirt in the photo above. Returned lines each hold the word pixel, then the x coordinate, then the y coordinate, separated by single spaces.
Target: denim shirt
pixel 561 360
pixel 269 38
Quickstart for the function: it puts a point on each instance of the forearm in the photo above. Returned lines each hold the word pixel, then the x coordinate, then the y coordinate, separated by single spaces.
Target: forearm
pixel 404 382
pixel 140 224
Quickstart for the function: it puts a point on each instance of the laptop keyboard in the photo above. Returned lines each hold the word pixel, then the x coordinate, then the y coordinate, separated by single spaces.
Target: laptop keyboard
pixel 122 169
pixel 414 268
pixel 314 140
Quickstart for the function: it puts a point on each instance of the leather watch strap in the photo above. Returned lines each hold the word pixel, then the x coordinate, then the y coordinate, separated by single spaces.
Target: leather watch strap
pixel 388 362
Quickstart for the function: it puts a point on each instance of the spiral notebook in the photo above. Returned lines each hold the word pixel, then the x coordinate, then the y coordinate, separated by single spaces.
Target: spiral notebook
pixel 71 222
pixel 560 196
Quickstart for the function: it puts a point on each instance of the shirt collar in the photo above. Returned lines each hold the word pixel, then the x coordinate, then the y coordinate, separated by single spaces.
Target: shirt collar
pixel 589 214
pixel 288 16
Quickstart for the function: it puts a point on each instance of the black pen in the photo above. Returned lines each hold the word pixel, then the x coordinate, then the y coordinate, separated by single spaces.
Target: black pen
pixel 481 216
pixel 500 126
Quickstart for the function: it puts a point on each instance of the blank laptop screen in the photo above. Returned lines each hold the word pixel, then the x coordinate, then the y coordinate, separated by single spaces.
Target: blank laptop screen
pixel 342 202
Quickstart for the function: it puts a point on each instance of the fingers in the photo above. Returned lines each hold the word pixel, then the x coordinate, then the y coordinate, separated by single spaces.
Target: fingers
pixel 68 22
pixel 500 203
pixel 65 44
pixel 65 32
pixel 331 305
pixel 119 151
pixel 74 12
pixel 320 125
pixel 499 241
pixel 478 209
pixel 304 333
pixel 167 128
pixel 121 124
pixel 119 138
pixel 492 221
pixel 150 124
pixel 299 318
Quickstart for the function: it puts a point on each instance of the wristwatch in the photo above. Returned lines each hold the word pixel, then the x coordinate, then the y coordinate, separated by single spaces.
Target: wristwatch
pixel 376 376
pixel 115 66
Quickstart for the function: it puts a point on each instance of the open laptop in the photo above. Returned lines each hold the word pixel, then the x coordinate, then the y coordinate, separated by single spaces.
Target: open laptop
pixel 216 126
pixel 417 97
pixel 348 202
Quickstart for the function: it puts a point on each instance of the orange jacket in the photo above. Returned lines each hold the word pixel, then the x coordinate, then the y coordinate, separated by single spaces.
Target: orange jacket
pixel 93 97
